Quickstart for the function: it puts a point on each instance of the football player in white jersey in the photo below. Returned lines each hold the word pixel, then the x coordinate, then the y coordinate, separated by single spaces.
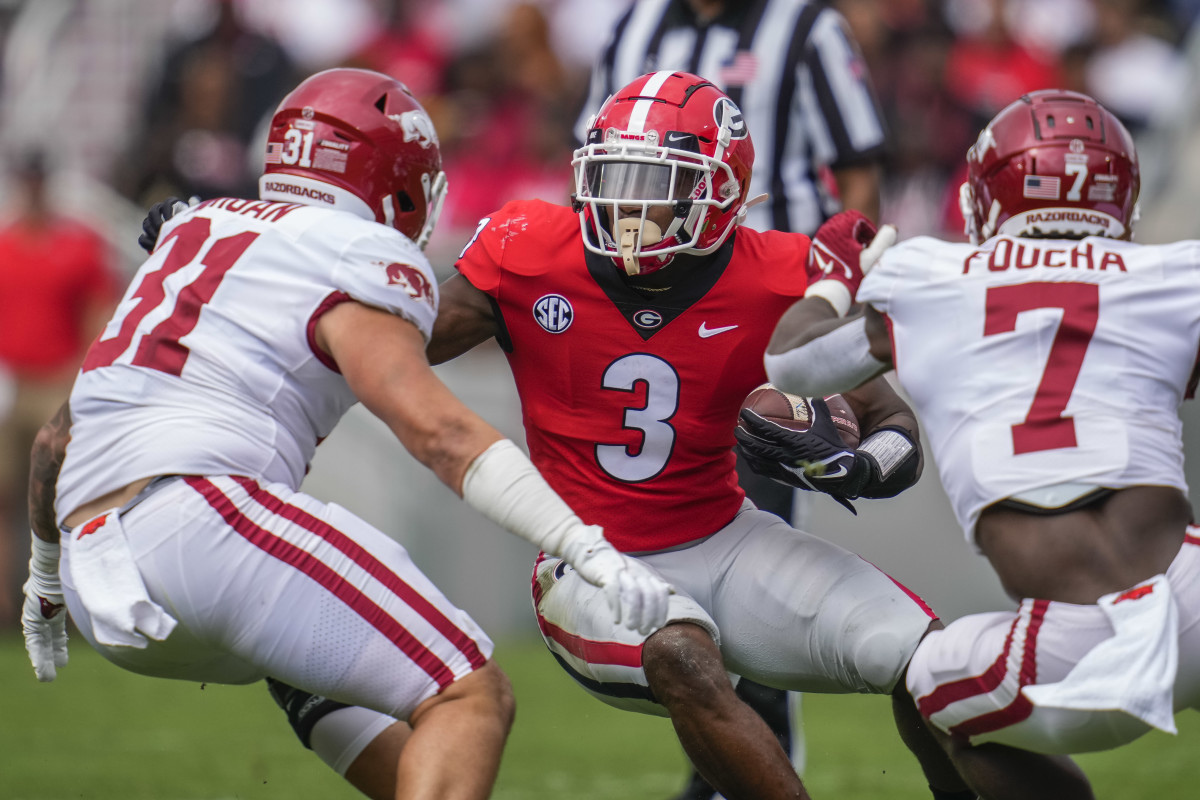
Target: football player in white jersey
pixel 1046 360
pixel 187 550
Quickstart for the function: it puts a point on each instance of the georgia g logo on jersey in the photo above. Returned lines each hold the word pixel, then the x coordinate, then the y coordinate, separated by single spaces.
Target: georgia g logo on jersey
pixel 412 280
pixel 727 114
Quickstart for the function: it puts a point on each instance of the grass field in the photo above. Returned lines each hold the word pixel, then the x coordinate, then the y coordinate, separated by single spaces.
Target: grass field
pixel 104 734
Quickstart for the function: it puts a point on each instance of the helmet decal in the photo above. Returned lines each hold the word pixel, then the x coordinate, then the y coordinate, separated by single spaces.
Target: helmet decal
pixel 418 127
pixel 1043 186
pixel 727 115
pixel 986 142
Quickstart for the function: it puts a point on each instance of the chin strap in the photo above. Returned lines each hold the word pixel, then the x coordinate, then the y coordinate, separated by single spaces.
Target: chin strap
pixel 749 204
pixel 633 233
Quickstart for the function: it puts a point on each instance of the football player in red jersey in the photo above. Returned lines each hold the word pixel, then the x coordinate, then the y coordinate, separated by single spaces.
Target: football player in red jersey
pixel 188 550
pixel 1057 434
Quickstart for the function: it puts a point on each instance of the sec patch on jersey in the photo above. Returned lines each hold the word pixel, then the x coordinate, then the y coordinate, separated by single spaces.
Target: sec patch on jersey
pixel 795 412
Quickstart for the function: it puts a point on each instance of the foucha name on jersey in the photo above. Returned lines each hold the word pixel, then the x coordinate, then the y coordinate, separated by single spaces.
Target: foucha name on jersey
pixel 1009 254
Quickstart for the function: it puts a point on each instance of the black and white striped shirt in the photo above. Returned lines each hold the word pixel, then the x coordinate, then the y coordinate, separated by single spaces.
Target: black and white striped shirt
pixel 792 68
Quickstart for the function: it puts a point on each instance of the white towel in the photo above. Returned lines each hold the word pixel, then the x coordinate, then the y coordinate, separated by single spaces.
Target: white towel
pixel 111 588
pixel 1132 671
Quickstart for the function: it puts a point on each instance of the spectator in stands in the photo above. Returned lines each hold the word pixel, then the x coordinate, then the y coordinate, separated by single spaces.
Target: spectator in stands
pixel 1133 69
pixel 507 133
pixel 205 112
pixel 988 66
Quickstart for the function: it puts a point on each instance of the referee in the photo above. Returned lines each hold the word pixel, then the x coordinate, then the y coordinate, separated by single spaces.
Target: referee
pixel 796 73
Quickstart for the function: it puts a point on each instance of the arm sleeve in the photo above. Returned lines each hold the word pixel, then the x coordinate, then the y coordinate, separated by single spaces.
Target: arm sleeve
pixel 836 362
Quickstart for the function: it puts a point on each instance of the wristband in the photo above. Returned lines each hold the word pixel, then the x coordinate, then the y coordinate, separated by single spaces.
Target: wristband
pixel 44 556
pixel 889 447
pixel 836 293
pixel 896 462
pixel 503 485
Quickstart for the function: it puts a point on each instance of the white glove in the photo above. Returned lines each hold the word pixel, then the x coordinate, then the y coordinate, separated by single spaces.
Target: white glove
pixel 636 596
pixel 44 618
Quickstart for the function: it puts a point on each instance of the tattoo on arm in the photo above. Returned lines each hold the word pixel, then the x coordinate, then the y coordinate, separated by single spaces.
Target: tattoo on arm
pixel 45 462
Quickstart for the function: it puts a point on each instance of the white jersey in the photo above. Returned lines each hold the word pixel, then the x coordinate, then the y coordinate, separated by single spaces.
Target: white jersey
pixel 1038 362
pixel 209 365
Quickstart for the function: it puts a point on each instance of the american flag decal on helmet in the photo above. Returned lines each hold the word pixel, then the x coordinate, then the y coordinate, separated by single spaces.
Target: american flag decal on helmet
pixel 1042 187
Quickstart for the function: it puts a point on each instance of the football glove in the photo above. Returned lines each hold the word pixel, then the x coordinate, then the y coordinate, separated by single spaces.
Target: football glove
pixel 44 617
pixel 843 250
pixel 818 460
pixel 157 215
pixel 637 597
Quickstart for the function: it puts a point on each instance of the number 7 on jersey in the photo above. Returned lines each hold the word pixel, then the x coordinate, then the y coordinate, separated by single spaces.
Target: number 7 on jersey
pixel 1045 427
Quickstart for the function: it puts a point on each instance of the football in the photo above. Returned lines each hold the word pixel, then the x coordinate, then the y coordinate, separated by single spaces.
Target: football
pixel 795 412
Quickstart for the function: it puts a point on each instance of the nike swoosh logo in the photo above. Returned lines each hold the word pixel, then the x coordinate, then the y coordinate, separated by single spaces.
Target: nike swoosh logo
pixel 706 331
pixel 827 264
pixel 802 473
pixel 824 264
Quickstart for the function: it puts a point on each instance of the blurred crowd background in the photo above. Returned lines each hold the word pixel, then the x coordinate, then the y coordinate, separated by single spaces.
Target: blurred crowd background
pixel 107 106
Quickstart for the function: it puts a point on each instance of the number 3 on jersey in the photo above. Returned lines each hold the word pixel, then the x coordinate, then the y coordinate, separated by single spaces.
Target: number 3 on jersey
pixel 1045 427
pixel 161 349
pixel 658 435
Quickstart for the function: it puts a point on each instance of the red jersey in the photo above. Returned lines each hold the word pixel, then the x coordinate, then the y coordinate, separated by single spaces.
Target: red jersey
pixel 629 398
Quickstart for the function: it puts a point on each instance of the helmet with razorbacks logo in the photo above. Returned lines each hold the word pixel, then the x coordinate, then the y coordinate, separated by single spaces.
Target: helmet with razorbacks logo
pixel 357 141
pixel 1054 163
pixel 668 140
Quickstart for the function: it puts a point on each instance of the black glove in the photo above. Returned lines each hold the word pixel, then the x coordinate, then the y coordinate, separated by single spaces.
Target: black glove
pixel 886 463
pixel 155 217
pixel 816 460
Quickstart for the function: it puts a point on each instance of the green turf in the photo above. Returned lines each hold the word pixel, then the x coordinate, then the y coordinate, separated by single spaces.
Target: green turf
pixel 104 734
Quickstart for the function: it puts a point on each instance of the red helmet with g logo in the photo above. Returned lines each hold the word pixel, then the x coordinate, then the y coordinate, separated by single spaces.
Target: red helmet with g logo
pixel 359 141
pixel 1053 164
pixel 668 139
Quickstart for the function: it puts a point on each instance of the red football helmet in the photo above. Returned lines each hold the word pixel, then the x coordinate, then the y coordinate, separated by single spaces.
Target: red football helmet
pixel 1053 163
pixel 359 141
pixel 668 139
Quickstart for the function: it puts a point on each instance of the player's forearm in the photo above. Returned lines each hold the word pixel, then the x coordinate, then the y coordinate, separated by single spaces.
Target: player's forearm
pixel 877 405
pixel 46 460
